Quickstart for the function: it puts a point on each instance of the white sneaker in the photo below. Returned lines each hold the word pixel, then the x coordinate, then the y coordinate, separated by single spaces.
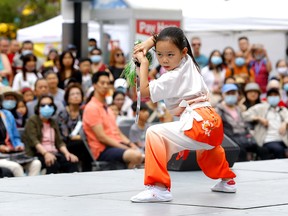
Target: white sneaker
pixel 152 194
pixel 225 186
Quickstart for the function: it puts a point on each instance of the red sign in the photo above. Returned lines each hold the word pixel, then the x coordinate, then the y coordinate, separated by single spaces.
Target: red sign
pixel 148 27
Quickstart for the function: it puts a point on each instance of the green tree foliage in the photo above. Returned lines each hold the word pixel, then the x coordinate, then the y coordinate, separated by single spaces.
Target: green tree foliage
pixel 23 13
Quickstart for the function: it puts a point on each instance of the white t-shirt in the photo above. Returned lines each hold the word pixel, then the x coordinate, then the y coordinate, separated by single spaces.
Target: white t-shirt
pixel 211 80
pixel 19 83
pixel 182 83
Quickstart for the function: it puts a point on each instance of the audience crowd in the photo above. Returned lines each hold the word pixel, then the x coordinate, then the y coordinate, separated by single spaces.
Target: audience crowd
pixel 61 113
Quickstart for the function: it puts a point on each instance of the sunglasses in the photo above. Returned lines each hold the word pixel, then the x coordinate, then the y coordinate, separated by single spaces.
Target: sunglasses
pixel 43 105
pixel 196 44
pixel 119 54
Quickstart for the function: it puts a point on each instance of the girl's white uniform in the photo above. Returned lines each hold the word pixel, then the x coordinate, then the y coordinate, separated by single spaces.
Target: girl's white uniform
pixel 183 83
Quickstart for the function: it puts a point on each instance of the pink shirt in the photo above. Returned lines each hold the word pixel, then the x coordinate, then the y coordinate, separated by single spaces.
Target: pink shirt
pixel 48 140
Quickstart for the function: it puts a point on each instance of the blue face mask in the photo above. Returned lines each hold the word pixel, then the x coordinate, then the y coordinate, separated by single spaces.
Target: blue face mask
pixel 239 61
pixel 9 104
pixel 273 100
pixel 26 52
pixel 259 57
pixel 285 87
pixel 96 58
pixel 231 99
pixel 216 60
pixel 90 48
pixel 46 111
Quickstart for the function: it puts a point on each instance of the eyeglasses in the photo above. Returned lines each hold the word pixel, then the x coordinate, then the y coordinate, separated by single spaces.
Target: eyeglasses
pixel 75 93
pixel 43 105
pixel 119 54
pixel 196 44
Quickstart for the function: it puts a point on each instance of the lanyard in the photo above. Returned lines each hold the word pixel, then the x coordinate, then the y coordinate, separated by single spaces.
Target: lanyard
pixel 258 66
pixel 138 98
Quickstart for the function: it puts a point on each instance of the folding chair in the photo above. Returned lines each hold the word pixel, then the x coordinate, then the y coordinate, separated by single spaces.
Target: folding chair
pixel 100 165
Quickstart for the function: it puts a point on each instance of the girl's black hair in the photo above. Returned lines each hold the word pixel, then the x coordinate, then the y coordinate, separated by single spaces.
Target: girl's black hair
pixel 27 58
pixel 177 36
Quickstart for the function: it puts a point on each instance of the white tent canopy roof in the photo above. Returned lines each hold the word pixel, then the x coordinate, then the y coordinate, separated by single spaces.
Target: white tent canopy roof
pixel 224 15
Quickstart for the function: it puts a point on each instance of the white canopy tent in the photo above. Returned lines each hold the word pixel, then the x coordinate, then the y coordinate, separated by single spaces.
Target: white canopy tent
pixel 218 22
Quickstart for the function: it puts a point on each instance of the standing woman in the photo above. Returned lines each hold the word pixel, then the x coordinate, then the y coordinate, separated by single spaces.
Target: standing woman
pixel 67 70
pixel 185 94
pixel 117 62
pixel 42 139
pixel 214 76
pixel 29 74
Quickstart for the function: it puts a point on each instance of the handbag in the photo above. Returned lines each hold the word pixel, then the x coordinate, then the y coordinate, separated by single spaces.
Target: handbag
pixel 20 157
pixel 245 140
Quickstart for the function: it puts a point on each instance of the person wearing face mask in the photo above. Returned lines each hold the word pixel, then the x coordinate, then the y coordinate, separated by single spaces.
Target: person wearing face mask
pixel 42 139
pixel 29 74
pixel 10 103
pixel 234 124
pixel 281 69
pixel 240 69
pixel 271 124
pixel 214 76
pixel 261 65
pixel 285 89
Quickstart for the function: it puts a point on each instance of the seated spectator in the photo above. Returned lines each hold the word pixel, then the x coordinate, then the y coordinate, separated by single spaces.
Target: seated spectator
pixel 240 69
pixel 29 74
pixel 214 75
pixel 11 142
pixel 28 94
pixel 138 130
pixel 43 140
pixel 274 83
pixel 285 89
pixel 12 100
pixel 252 95
pixel 158 112
pixel 121 86
pixel 105 139
pixel 70 124
pixel 234 125
pixel 21 114
pixel 85 69
pixel 281 69
pixel 67 69
pixel 50 61
pixel 27 48
pixel 41 88
pixel 271 124
pixel 54 91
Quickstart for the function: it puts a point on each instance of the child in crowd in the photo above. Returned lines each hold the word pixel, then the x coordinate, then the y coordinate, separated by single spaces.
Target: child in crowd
pixel 138 130
pixel 200 128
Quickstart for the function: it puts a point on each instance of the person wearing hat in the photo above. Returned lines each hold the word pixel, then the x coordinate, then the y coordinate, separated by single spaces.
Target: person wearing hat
pixel 252 94
pixel 271 122
pixel 261 65
pixel 234 124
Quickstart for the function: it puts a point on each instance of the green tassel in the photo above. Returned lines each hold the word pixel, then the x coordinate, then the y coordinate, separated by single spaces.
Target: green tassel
pixel 129 72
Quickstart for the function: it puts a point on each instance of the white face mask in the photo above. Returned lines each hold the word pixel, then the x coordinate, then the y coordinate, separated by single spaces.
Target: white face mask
pixel 282 70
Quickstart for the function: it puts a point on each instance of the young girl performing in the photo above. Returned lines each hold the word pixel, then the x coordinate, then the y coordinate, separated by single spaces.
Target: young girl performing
pixel 200 127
